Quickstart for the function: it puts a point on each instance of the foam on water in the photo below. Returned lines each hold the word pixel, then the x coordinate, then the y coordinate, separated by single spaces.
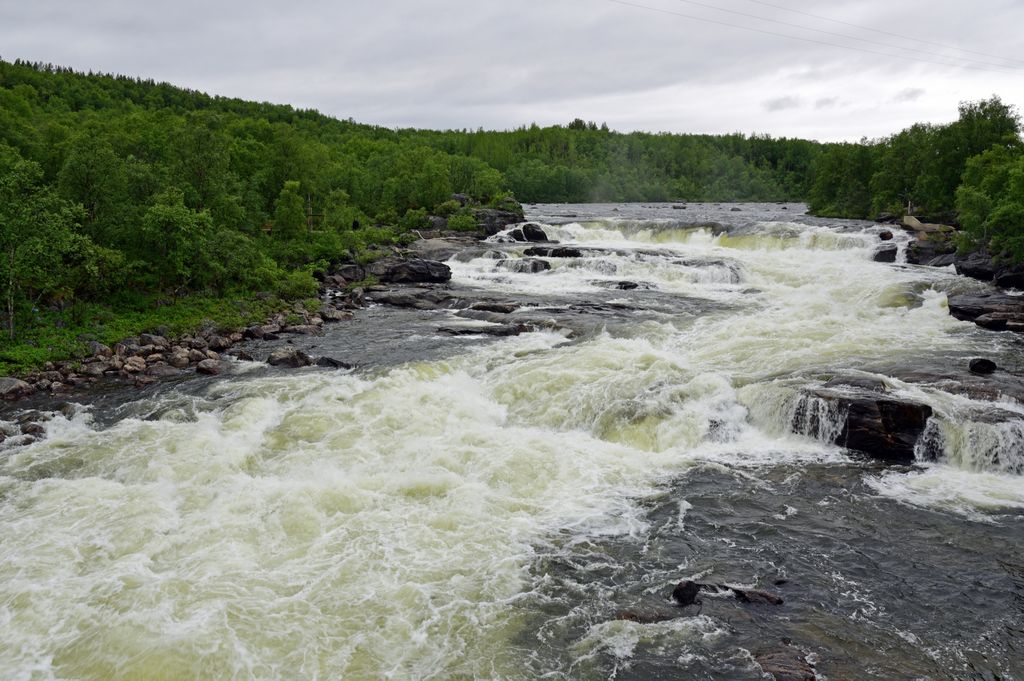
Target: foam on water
pixel 383 525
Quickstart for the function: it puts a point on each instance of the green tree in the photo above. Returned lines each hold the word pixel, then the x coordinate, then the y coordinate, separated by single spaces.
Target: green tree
pixel 289 212
pixel 173 238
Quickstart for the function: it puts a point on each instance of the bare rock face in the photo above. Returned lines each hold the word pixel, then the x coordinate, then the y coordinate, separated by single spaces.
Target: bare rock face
pixel 411 271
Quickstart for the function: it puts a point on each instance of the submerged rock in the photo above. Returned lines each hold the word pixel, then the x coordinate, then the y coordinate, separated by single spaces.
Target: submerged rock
pixel 685 593
pixel 979 365
pixel 554 252
pixel 785 663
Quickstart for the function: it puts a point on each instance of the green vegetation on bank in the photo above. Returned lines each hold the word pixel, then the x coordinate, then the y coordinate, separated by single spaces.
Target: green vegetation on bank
pixel 140 203
pixel 970 171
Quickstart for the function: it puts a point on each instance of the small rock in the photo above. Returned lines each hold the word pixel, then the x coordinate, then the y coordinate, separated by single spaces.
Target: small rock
pixel 331 363
pixel 179 359
pixel 218 343
pixel 155 358
pixel 289 357
pixel 154 340
pixel 210 354
pixel 980 365
pixel 99 349
pixel 210 367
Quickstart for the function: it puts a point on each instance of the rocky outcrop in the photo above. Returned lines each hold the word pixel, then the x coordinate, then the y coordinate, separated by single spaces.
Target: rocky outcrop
pixel 995 311
pixel 493 220
pixel 983 267
pixel 411 271
pixel 937 252
pixel 886 253
pixel 553 252
pixel 869 421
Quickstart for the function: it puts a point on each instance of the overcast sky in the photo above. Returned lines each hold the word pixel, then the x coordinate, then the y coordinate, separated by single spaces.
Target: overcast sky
pixel 654 66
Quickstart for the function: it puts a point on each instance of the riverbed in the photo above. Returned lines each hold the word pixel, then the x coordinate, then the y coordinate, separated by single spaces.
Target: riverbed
pixel 479 507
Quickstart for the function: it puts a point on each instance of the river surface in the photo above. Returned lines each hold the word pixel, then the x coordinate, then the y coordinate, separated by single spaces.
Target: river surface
pixel 478 508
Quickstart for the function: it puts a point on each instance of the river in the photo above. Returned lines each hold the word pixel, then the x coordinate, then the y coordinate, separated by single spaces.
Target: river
pixel 473 507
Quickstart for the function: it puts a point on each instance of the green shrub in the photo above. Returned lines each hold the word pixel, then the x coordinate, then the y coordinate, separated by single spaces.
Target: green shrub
pixel 462 223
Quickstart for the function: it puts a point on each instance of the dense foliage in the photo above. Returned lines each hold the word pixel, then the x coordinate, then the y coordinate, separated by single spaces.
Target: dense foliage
pixel 127 195
pixel 965 169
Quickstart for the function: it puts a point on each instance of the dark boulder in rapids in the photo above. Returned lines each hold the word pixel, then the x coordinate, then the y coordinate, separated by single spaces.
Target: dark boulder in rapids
pixel 876 424
pixel 980 365
pixel 927 251
pixel 886 253
pixel 554 252
pixel 289 357
pixel 525 265
pixel 685 593
pixel 410 271
pixel 533 232
pixel 785 663
pixel 885 236
pixel 996 311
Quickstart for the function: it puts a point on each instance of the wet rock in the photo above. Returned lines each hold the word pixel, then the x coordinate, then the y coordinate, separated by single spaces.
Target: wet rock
pixel 13 388
pixel 970 307
pixel 862 382
pixel 410 271
pixel 554 252
pixel 32 429
pixel 886 253
pixel 499 330
pixel 331 363
pixel 289 357
pixel 944 260
pixel 331 314
pixel 534 232
pixel 417 299
pixel 525 265
pixel 685 593
pixel 646 616
pixel 757 597
pixel 785 663
pixel 162 371
pixel 885 428
pixel 980 365
pixel 210 367
pixel 492 306
pixel 885 236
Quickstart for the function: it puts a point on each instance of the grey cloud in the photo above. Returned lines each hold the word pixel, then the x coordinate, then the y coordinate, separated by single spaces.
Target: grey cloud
pixel 781 103
pixel 470 63
pixel 910 94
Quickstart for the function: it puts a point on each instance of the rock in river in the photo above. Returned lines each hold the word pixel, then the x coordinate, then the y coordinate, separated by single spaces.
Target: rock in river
pixel 289 357
pixel 785 663
pixel 410 271
pixel 886 253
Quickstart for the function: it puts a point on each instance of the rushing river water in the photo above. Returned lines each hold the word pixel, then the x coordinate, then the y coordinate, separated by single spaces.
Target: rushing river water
pixel 480 508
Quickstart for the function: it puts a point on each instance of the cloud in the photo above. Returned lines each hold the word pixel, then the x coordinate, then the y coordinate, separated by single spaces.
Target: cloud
pixel 910 94
pixel 465 63
pixel 781 103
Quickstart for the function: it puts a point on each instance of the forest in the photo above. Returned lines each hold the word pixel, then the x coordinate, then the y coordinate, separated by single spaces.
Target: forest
pixel 127 204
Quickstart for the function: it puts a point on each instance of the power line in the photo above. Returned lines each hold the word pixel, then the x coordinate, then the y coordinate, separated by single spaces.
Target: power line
pixel 883 32
pixel 800 38
pixel 843 35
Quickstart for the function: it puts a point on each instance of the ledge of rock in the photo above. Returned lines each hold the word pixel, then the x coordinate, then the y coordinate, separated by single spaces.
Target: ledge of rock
pixel 997 311
pixel 865 420
pixel 410 271
pixel 886 253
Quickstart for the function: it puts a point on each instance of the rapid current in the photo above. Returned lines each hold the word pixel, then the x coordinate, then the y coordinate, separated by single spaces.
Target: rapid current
pixel 471 507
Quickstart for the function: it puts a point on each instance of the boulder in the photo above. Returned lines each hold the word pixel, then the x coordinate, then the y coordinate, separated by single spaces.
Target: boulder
pixel 154 340
pixel 534 232
pixel 980 365
pixel 525 265
pixel 178 359
pixel 1009 276
pixel 493 220
pixel 554 252
pixel 785 663
pixel 162 371
pixel 417 299
pixel 885 236
pixel 218 343
pixel 95 369
pixel 100 350
pixel 883 427
pixel 969 307
pixel 976 265
pixel 332 314
pixel 351 272
pixel 886 253
pixel 210 367
pixel 331 363
pixel 289 357
pixel 494 306
pixel 410 271
pixel 13 388
pixel 134 365
pixel 302 329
